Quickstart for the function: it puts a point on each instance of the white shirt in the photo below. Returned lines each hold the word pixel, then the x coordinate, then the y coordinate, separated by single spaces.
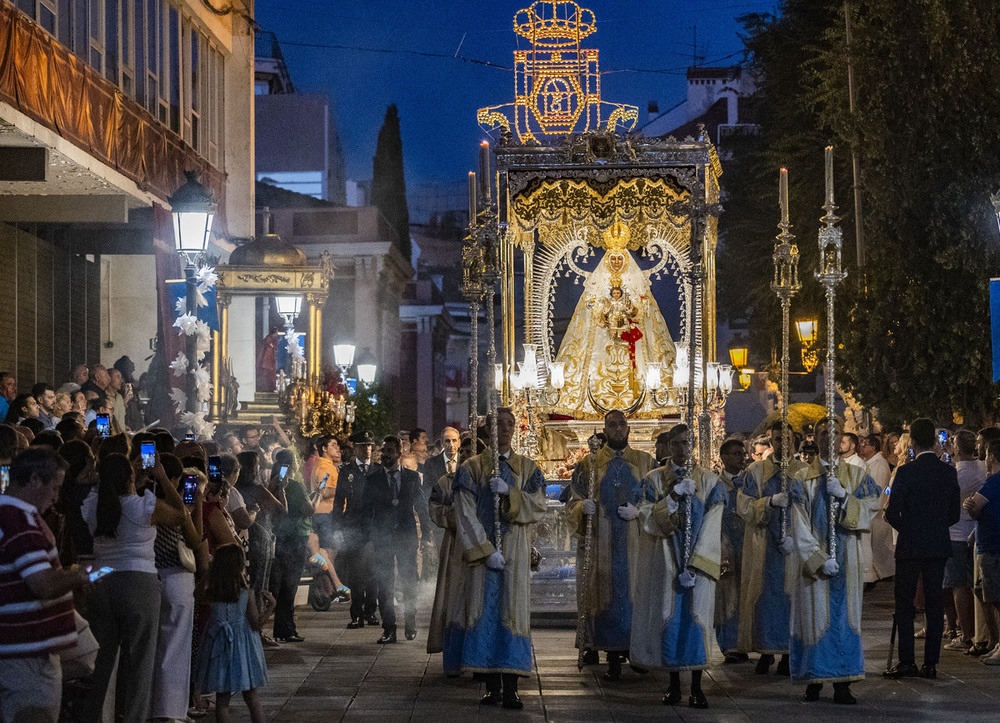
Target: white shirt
pixel 971 476
pixel 131 549
pixel 878 469
pixel 855 459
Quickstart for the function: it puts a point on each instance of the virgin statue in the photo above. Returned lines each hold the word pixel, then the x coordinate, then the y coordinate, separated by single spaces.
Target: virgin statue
pixel 615 330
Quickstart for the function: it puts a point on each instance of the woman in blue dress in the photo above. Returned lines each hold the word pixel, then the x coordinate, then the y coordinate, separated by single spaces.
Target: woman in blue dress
pixel 231 658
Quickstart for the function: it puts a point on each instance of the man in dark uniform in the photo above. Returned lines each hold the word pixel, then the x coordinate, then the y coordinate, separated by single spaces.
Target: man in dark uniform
pixel 392 499
pixel 353 564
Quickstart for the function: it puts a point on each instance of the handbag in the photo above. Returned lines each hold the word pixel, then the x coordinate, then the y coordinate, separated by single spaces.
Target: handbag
pixel 186 555
pixel 78 660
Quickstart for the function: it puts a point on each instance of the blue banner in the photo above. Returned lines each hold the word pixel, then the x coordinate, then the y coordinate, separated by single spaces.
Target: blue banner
pixel 995 326
pixel 209 314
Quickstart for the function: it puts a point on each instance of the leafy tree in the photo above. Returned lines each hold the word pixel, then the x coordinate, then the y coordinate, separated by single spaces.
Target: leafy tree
pixel 913 325
pixel 388 183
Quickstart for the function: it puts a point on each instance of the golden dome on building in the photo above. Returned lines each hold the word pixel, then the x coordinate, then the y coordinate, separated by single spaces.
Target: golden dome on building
pixel 267 251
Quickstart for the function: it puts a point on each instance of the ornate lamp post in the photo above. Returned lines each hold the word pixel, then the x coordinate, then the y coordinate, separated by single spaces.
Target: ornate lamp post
pixel 785 285
pixel 830 274
pixel 193 210
pixel 343 357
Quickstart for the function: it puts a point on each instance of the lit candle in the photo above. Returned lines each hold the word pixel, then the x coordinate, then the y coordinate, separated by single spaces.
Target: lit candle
pixel 472 197
pixel 783 194
pixel 484 169
pixel 829 175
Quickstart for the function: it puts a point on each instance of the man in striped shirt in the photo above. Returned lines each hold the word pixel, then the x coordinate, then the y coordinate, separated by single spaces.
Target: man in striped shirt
pixel 36 600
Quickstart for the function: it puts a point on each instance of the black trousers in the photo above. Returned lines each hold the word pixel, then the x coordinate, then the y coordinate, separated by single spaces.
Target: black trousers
pixel 908 571
pixel 286 571
pixel 390 556
pixel 354 569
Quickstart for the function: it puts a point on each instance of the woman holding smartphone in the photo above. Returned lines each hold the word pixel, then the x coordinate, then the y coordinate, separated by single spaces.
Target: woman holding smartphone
pixel 125 607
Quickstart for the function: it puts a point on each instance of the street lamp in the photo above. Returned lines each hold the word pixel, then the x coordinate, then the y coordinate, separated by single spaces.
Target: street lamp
pixel 808 331
pixel 193 210
pixel 738 357
pixel 367 366
pixel 343 356
pixel 288 307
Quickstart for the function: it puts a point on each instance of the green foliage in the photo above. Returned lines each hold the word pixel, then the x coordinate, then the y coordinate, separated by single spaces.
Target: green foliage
pixel 374 418
pixel 913 325
pixel 388 183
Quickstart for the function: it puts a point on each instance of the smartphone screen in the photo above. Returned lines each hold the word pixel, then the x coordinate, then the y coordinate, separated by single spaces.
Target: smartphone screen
pixel 4 478
pixel 326 478
pixel 943 437
pixel 189 485
pixel 148 452
pixel 283 471
pixel 96 575
pixel 189 437
pixel 215 470
pixel 103 425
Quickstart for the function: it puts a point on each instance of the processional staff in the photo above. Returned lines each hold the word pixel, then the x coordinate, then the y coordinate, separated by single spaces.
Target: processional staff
pixel 594 443
pixel 785 285
pixel 830 274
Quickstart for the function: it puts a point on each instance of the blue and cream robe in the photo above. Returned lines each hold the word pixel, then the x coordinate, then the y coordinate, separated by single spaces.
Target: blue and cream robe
pixel 727 590
pixel 602 590
pixel 825 645
pixel 672 626
pixel 768 576
pixel 495 634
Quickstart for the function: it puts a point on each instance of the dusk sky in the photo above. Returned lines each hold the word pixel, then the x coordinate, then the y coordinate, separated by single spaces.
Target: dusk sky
pixel 330 48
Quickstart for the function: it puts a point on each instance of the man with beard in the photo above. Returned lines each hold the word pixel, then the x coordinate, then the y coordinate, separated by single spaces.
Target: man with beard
pixel 676 572
pixel 603 591
pixel 494 637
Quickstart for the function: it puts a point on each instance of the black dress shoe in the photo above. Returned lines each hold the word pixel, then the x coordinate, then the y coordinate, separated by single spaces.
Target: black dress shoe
pixel 928 671
pixel 355 624
pixel 842 694
pixel 763 664
pixel 614 671
pixel 492 697
pixel 731 659
pixel 901 670
pixel 672 696
pixel 387 637
pixel 782 668
pixel 411 633
pixel 978 649
pixel 512 701
pixel 372 620
pixel 698 700
pixel 812 692
pixel 591 657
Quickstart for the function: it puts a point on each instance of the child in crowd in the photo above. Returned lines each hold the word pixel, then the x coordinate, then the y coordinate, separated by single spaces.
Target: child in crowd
pixel 231 657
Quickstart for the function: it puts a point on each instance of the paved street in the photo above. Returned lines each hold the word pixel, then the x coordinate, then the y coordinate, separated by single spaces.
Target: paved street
pixel 342 675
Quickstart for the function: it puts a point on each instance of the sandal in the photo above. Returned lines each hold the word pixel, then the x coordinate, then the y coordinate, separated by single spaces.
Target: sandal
pixel 922 633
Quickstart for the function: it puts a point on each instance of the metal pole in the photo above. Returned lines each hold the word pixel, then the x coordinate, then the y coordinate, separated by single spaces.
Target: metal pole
pixel 855 162
pixel 474 365
pixel 491 322
pixel 584 579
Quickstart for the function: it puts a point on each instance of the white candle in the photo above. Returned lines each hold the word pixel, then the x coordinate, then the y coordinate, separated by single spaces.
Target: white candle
pixel 829 175
pixel 783 194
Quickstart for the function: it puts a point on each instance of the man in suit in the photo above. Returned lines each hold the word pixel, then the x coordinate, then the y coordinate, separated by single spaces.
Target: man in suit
pixel 392 498
pixel 438 465
pixel 924 503
pixel 353 564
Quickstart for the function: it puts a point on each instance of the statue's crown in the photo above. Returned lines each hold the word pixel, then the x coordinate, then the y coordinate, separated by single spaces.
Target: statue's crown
pixel 554 24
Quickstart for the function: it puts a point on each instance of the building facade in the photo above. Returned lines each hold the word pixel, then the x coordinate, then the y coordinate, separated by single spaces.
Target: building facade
pixel 104 104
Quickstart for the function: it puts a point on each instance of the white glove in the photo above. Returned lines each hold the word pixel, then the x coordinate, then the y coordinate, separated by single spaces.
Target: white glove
pixel 589 507
pixel 495 561
pixel 685 487
pixel 830 568
pixel 672 505
pixel 686 579
pixel 834 489
pixel 628 512
pixel 338 539
pixel 499 487
pixel 779 500
pixel 786 545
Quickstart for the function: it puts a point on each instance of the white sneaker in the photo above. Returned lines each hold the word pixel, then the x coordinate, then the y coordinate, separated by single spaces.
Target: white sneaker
pixel 993 657
pixel 958 644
